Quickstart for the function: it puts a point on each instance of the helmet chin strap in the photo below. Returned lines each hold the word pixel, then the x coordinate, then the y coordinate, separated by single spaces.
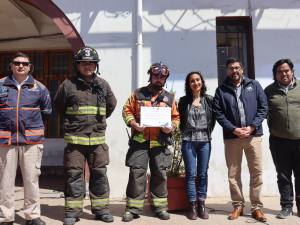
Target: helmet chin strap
pixel 98 69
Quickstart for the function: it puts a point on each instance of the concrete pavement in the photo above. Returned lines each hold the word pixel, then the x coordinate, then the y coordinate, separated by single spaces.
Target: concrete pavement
pixel 52 206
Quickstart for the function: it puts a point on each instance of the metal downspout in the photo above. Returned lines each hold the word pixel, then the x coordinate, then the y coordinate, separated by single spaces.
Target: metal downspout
pixel 139 45
pixel 249 8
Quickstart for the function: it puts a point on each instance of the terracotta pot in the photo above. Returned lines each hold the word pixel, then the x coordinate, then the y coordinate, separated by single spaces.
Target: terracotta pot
pixel 177 199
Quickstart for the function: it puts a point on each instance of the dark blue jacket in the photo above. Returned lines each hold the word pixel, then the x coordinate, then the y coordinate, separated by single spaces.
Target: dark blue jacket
pixel 226 107
pixel 23 111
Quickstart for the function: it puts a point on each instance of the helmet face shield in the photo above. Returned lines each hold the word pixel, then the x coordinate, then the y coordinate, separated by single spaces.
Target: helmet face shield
pixel 158 69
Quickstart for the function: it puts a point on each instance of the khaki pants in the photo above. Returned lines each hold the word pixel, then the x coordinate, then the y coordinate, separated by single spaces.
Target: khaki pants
pixel 233 154
pixel 30 157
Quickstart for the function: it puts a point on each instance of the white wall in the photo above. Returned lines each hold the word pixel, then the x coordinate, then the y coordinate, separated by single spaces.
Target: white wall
pixel 182 34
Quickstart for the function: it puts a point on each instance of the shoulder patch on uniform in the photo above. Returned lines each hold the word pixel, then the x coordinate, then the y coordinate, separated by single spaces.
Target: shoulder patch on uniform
pixel 3 90
pixel 39 84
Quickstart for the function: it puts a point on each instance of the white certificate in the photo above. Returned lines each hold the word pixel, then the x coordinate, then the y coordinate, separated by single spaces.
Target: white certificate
pixel 156 116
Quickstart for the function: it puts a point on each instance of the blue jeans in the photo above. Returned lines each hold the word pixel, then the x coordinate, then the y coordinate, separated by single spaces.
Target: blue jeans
pixel 190 150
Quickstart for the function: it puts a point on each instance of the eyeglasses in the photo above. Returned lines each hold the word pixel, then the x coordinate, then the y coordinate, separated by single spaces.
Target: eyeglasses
pixel 234 68
pixel 283 71
pixel 16 63
pixel 163 70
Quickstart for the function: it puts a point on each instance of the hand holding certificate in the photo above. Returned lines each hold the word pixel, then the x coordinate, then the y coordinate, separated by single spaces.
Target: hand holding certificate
pixel 156 116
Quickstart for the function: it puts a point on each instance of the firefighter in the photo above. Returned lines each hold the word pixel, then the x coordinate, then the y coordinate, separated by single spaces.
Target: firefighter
pixel 149 145
pixel 85 101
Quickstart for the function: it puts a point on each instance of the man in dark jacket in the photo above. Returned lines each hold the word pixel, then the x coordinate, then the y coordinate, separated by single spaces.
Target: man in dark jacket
pixel 240 106
pixel 86 101
pixel 284 126
pixel 24 105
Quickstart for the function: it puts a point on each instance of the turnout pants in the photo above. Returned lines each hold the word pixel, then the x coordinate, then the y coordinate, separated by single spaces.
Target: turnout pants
pixel 30 157
pixel 286 157
pixel 137 158
pixel 75 157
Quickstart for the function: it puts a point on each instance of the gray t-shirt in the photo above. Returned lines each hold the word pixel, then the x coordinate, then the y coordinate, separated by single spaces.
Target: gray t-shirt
pixel 196 127
pixel 238 91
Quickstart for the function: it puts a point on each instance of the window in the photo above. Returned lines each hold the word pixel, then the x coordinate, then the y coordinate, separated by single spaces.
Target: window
pixel 234 39
pixel 51 68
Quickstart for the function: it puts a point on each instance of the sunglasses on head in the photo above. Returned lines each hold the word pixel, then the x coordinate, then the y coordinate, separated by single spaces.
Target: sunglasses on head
pixel 160 69
pixel 16 63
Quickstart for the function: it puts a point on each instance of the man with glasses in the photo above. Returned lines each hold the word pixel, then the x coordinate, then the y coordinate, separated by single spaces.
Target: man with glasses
pixel 149 145
pixel 284 126
pixel 240 106
pixel 24 105
pixel 85 101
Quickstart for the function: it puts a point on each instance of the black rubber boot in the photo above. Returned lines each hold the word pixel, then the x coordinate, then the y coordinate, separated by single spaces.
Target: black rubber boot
pixel 129 216
pixel 71 221
pixel 105 218
pixel 164 215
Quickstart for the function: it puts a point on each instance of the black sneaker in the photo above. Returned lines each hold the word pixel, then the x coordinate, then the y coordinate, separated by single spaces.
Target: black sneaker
pixel 284 213
pixel 164 215
pixel 36 221
pixel 105 218
pixel 129 216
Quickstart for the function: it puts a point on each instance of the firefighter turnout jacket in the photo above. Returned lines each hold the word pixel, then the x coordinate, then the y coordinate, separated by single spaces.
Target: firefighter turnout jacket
pixel 85 107
pixel 146 97
pixel 22 111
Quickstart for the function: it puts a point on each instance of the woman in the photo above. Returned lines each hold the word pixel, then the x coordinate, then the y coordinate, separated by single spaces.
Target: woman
pixel 196 124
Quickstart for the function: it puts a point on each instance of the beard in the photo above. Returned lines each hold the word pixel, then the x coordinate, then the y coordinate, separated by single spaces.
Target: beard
pixel 157 85
pixel 234 77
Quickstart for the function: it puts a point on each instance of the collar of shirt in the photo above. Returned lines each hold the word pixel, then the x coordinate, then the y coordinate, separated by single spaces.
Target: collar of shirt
pixel 288 87
pixel 16 82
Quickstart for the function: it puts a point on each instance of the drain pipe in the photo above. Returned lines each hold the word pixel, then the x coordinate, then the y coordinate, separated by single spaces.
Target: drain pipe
pixel 139 44
pixel 249 8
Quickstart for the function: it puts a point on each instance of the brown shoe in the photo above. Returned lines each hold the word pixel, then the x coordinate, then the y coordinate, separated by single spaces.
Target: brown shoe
pixel 258 214
pixel 238 211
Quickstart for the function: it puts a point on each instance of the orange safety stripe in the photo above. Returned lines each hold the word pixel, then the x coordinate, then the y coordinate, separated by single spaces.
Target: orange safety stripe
pixel 6 108
pixel 6 136
pixel 32 143
pixel 18 114
pixel 30 108
pixel 35 132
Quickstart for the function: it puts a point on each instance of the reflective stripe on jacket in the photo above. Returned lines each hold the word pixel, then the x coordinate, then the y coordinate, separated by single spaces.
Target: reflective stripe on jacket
pixel 84 109
pixel 147 98
pixel 22 112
